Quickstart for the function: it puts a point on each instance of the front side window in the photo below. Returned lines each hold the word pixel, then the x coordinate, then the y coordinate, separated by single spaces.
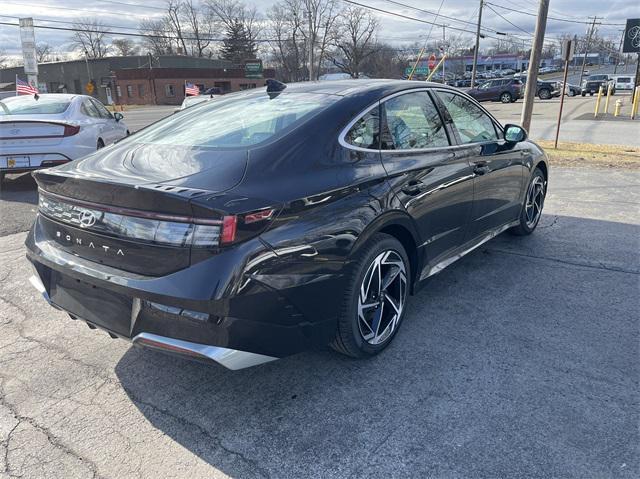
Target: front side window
pixel 473 124
pixel 413 122
pixel 365 133
pixel 238 120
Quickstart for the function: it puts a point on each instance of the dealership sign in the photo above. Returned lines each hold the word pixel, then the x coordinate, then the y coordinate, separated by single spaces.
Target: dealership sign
pixel 631 41
pixel 28 39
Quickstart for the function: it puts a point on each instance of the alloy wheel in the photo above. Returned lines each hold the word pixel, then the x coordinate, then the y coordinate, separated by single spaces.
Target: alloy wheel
pixel 382 297
pixel 535 201
pixel 505 98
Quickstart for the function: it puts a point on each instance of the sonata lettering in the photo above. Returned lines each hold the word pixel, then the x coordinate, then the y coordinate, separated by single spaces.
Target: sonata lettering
pixel 90 244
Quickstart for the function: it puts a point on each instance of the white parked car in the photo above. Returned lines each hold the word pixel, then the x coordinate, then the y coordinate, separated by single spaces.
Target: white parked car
pixel 53 129
pixel 624 83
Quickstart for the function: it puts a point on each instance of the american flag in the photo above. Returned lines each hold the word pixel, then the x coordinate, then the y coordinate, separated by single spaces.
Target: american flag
pixel 24 87
pixel 191 89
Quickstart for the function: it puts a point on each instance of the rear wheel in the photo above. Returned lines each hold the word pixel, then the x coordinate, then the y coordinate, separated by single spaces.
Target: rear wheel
pixel 506 97
pixel 100 144
pixel 572 93
pixel 374 301
pixel 544 94
pixel 533 204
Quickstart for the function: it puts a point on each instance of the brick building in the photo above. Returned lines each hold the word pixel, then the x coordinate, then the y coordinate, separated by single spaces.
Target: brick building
pixel 137 80
pixel 165 86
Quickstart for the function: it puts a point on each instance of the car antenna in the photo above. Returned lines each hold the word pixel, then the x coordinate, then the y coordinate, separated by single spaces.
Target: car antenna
pixel 274 87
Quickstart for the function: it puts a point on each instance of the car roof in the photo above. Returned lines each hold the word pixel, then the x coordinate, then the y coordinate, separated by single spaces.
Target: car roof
pixel 358 86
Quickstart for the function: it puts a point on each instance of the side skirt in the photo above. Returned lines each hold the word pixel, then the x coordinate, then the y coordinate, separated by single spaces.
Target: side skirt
pixel 464 250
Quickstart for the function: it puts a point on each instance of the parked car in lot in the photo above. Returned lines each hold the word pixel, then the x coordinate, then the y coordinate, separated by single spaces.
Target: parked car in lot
pixel 593 83
pixel 624 82
pixel 53 129
pixel 506 90
pixel 545 90
pixel 570 90
pixel 269 222
pixel 464 83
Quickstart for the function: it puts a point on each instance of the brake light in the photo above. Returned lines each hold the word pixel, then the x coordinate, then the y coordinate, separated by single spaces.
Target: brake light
pixel 229 228
pixel 258 216
pixel 70 130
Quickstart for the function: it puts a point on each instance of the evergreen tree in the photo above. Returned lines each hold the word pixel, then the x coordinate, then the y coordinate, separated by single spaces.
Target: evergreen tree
pixel 237 46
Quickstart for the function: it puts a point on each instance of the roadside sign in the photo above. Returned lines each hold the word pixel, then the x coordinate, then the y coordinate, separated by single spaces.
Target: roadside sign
pixel 568 47
pixel 418 71
pixel 89 88
pixel 432 61
pixel 631 42
pixel 253 70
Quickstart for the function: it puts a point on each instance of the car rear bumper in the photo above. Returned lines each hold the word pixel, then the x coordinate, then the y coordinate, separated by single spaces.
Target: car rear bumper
pixel 207 311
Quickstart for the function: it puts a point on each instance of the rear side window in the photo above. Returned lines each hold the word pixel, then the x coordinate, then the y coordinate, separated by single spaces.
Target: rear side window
pixel 237 120
pixel 89 109
pixel 412 122
pixel 473 124
pixel 365 133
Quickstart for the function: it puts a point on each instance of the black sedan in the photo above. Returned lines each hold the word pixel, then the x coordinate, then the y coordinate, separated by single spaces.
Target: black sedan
pixel 268 222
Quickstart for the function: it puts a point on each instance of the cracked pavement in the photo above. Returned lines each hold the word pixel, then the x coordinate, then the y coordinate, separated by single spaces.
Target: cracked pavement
pixel 520 360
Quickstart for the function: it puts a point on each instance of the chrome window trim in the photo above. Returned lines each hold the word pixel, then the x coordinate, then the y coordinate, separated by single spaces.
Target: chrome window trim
pixel 345 130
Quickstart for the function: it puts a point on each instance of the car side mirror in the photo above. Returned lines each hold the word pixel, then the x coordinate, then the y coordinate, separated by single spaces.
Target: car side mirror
pixel 514 133
pixel 118 116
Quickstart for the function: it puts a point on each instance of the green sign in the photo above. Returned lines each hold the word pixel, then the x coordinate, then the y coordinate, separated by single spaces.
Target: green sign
pixel 418 71
pixel 253 70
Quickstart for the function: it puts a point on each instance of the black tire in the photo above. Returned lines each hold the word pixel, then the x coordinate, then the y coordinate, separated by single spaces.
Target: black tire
pixel 525 225
pixel 572 93
pixel 544 94
pixel 584 93
pixel 505 97
pixel 590 93
pixel 349 339
pixel 100 144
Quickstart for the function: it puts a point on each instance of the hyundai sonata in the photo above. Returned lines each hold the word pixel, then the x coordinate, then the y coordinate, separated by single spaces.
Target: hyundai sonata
pixel 268 222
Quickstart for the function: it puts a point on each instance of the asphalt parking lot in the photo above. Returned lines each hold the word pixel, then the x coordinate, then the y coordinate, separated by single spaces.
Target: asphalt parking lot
pixel 520 360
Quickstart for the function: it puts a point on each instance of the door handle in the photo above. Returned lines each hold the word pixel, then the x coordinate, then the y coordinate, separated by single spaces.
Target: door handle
pixel 413 188
pixel 480 168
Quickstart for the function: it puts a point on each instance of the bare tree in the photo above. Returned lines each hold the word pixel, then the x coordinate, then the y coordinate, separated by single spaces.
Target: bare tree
pixel 89 37
pixel 199 25
pixel 230 12
pixel 174 14
pixel 287 41
pixel 388 62
pixel 124 47
pixel 43 52
pixel 3 58
pixel 356 40
pixel 321 29
pixel 156 40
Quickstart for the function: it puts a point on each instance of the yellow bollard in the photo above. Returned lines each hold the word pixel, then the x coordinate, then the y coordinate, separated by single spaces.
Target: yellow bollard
pixel 595 114
pixel 616 111
pixel 636 100
pixel 606 102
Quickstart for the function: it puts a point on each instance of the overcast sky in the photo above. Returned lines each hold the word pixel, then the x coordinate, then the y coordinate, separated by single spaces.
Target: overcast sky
pixel 124 15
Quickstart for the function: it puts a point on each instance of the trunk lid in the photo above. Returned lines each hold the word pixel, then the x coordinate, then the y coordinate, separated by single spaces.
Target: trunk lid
pixel 135 207
pixel 28 132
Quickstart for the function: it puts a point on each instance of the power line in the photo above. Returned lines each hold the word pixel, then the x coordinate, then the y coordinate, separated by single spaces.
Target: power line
pixel 83 10
pixel 551 18
pixel 508 21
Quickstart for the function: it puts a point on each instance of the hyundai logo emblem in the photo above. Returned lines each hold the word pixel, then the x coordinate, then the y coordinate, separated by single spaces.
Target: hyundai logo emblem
pixel 87 219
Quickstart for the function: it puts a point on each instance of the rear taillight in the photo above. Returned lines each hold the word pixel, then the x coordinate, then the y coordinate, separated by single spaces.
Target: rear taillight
pixel 229 228
pixel 70 130
pixel 241 227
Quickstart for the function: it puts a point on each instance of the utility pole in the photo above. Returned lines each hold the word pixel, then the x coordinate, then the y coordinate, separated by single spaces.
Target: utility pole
pixel 618 55
pixel 444 40
pixel 534 62
pixel 475 50
pixel 586 49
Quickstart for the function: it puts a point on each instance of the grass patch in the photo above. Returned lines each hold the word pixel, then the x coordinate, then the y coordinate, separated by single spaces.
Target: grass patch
pixel 585 154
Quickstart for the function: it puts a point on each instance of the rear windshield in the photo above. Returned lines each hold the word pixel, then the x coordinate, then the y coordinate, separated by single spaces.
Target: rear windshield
pixel 237 120
pixel 28 105
pixel 598 77
pixel 624 79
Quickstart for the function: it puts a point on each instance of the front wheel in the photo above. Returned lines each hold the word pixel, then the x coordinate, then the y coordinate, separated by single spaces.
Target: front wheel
pixel 374 300
pixel 544 94
pixel 572 93
pixel 533 204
